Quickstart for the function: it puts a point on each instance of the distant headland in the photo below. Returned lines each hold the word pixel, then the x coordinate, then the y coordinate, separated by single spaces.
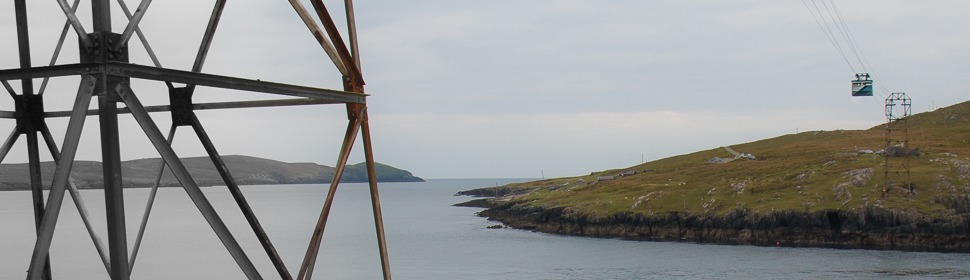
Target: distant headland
pixel 814 188
pixel 246 170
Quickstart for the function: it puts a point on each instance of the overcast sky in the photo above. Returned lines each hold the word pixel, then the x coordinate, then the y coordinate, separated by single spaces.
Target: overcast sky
pixel 489 89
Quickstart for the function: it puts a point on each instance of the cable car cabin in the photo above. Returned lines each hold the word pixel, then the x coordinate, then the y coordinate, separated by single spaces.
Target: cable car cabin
pixel 862 85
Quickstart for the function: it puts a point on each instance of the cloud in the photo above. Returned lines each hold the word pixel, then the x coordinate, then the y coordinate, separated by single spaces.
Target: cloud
pixel 523 145
pixel 511 88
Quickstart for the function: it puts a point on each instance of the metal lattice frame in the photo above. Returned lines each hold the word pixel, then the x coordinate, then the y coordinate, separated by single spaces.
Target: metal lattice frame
pixel 106 73
pixel 898 108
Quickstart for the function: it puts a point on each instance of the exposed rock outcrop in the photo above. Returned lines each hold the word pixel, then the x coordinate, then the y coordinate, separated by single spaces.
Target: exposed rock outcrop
pixel 872 227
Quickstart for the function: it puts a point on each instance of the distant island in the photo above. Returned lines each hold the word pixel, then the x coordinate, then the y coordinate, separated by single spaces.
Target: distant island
pixel 814 188
pixel 246 170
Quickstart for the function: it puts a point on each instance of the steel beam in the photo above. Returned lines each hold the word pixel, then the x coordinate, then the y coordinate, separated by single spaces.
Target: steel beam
pixel 177 76
pixel 143 39
pixel 318 34
pixel 23 44
pixel 338 43
pixel 7 144
pixel 26 125
pixel 133 22
pixel 101 15
pixel 313 249
pixel 114 199
pixel 23 33
pixel 57 49
pixel 9 88
pixel 37 189
pixel 201 79
pixel 199 106
pixel 352 30
pixel 148 205
pixel 182 175
pixel 61 176
pixel 82 208
pixel 78 27
pixel 51 71
pixel 240 198
pixel 210 31
pixel 374 196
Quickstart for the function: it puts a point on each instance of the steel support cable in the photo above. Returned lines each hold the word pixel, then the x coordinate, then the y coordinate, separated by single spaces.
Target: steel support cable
pixel 182 175
pixel 82 209
pixel 57 48
pixel 833 38
pixel 840 26
pixel 856 49
pixel 144 40
pixel 860 55
pixel 148 205
pixel 827 32
pixel 848 35
pixel 59 184
pixel 313 249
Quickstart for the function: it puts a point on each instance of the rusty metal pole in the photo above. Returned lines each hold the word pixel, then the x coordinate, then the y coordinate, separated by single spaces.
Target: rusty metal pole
pixel 309 259
pixel 352 30
pixel 374 196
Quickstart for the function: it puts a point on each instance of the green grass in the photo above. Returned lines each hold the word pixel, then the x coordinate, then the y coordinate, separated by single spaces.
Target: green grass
pixel 780 178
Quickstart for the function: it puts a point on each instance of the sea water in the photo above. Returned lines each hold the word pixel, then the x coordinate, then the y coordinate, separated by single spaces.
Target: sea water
pixel 427 239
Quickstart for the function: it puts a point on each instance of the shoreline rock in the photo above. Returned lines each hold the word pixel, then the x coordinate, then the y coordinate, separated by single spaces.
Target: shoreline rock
pixel 867 228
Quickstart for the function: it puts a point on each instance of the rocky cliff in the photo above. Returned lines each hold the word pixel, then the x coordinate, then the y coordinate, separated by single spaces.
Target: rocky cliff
pixel 869 228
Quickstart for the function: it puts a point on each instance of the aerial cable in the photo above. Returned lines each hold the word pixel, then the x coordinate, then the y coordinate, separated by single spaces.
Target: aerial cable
pixel 828 32
pixel 850 41
pixel 856 49
pixel 847 35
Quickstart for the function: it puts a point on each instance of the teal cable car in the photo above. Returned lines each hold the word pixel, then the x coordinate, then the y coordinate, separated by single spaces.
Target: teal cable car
pixel 862 85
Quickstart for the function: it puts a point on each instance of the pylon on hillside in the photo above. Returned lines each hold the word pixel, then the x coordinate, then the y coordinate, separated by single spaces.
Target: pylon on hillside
pixel 897 151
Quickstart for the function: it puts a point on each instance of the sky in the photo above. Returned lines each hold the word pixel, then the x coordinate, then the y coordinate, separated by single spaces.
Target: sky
pixel 526 89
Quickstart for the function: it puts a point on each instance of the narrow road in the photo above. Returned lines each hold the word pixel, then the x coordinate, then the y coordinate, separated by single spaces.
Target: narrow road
pixel 736 154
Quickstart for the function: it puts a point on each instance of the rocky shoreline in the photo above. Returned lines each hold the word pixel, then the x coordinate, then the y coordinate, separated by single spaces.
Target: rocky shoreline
pixel 867 228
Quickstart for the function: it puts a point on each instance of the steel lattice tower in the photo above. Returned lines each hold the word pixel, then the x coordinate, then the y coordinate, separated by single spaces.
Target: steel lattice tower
pixel 106 73
pixel 897 139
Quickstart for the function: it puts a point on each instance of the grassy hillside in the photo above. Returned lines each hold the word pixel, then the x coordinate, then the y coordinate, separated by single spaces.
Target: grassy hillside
pixel 813 170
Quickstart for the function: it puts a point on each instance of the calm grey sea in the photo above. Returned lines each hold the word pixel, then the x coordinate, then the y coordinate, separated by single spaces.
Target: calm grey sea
pixel 427 239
